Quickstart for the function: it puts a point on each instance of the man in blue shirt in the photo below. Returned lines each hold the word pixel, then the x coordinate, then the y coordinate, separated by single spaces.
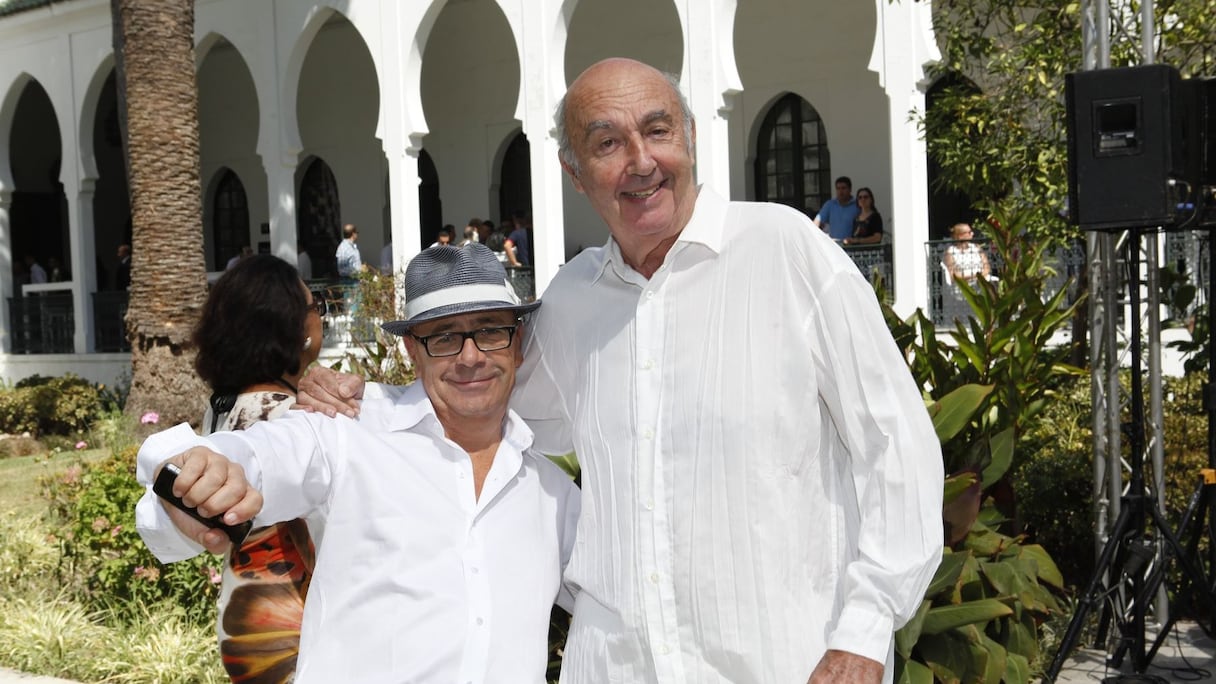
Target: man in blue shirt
pixel 350 262
pixel 840 211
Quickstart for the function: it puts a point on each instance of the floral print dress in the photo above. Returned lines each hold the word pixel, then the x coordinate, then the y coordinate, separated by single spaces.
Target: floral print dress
pixel 265 581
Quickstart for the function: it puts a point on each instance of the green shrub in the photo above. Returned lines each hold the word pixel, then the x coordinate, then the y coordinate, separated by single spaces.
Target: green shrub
pixel 102 550
pixel 1054 483
pixel 65 405
pixel 29 559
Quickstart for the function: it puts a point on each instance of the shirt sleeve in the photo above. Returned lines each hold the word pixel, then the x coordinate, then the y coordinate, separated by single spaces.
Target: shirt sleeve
pixel 538 397
pixel 894 462
pixel 570 508
pixel 152 521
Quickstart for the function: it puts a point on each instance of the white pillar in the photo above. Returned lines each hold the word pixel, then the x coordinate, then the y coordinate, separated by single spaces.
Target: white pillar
pixel 406 218
pixel 84 263
pixel 710 81
pixel 280 185
pixel 542 83
pixel 6 268
pixel 903 44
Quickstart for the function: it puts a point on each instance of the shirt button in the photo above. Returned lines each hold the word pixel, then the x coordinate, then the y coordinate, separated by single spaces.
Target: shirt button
pixel 654 577
pixel 649 505
pixel 480 622
pixel 648 365
pixel 665 649
pixel 648 434
pixel 474 570
pixel 650 294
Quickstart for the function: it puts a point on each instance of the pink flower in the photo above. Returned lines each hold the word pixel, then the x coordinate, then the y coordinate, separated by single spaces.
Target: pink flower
pixel 81 444
pixel 214 575
pixel 151 417
pixel 114 532
pixel 100 524
pixel 71 475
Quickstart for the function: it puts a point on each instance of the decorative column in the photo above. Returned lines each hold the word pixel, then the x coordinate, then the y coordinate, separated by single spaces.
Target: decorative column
pixel 903 44
pixel 710 80
pixel 84 264
pixel 6 268
pixel 542 47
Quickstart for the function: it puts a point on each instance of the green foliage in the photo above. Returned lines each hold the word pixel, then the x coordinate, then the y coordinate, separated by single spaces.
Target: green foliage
pixel 987 381
pixel 1005 345
pixel 1003 138
pixel 378 356
pixel 94 506
pixel 64 405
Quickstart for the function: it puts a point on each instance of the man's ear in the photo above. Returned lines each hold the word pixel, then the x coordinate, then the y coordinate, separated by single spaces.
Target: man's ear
pixel 572 173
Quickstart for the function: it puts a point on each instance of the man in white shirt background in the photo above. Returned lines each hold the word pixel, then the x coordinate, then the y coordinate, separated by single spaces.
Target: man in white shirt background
pixel 762 484
pixel 446 533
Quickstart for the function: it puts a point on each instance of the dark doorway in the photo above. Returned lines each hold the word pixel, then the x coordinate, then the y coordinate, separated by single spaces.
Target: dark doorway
pixel 430 207
pixel 946 207
pixel 793 165
pixel 38 215
pixel 515 178
pixel 230 219
pixel 319 219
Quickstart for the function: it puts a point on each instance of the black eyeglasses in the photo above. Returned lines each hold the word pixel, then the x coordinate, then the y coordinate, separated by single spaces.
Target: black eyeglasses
pixel 318 304
pixel 450 343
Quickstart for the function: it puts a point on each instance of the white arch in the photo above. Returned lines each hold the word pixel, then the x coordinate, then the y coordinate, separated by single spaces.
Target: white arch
pixel 88 115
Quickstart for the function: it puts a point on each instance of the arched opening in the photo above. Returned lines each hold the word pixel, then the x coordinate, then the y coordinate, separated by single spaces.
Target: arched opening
pixel 793 165
pixel 38 215
pixel 111 196
pixel 430 207
pixel 515 178
pixel 228 133
pixel 338 107
pixel 229 217
pixel 319 217
pixel 946 206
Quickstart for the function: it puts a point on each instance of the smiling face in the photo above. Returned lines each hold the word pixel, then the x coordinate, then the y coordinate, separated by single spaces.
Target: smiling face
pixel 634 160
pixel 472 385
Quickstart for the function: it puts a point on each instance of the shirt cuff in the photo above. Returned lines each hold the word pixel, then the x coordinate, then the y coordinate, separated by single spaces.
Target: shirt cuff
pixel 152 522
pixel 160 535
pixel 863 631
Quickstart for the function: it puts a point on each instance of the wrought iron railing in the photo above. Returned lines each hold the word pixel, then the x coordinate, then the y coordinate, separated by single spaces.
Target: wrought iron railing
pixel 946 304
pixel 109 321
pixel 42 323
pixel 875 262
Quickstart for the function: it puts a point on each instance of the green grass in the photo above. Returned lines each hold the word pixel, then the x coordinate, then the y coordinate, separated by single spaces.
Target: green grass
pixel 19 489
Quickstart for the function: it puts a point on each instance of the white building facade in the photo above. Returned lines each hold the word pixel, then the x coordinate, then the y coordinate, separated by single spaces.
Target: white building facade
pixel 401 116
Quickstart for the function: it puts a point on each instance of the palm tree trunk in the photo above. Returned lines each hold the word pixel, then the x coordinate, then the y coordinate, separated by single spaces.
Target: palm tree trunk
pixel 158 103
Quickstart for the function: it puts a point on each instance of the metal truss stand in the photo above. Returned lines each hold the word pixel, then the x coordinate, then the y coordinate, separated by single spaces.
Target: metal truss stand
pixel 1125 567
pixel 1200 514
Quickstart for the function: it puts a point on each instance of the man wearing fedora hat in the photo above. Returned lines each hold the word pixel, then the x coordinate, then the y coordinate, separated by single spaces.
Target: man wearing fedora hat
pixel 446 533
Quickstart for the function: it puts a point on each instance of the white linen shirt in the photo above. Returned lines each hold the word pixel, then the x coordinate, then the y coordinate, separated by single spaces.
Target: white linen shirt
pixel 416 579
pixel 761 480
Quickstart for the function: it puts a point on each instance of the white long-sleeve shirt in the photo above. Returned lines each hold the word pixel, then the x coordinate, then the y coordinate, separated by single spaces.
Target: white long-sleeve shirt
pixel 417 579
pixel 761 480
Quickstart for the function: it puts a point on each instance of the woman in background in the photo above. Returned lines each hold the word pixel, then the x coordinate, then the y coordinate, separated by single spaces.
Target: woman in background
pixel 260 329
pixel 867 227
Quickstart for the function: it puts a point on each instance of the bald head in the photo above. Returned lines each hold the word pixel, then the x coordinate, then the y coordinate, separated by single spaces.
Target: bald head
pixel 615 74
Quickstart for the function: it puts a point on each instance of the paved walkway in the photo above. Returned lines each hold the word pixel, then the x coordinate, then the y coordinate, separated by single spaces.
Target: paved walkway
pixel 11 677
pixel 1187 656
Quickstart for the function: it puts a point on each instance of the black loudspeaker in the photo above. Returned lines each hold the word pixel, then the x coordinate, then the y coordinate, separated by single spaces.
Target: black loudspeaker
pixel 1131 146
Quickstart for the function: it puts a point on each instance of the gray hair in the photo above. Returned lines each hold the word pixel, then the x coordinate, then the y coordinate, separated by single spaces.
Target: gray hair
pixel 566 152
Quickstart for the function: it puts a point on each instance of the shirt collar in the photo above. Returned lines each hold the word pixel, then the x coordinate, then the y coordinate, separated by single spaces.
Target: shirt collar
pixel 413 407
pixel 705 227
